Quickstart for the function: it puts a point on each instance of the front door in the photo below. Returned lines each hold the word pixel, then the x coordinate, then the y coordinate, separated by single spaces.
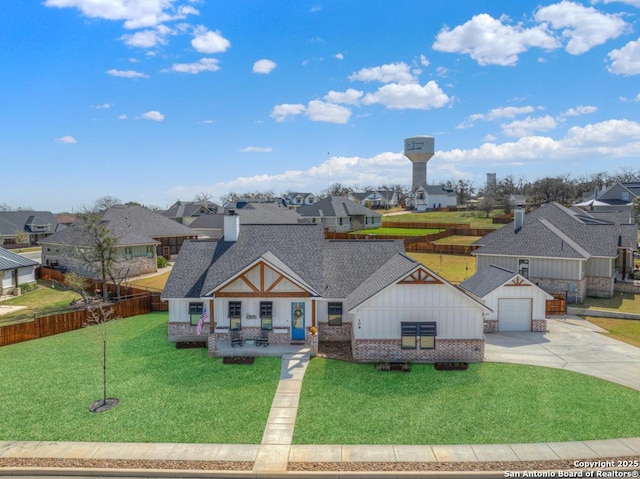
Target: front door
pixel 297 321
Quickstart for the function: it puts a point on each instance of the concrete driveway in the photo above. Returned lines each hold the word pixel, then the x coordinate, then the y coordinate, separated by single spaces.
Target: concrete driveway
pixel 573 344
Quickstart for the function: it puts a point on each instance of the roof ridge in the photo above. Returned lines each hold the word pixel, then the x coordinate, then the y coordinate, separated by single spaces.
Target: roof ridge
pixel 563 236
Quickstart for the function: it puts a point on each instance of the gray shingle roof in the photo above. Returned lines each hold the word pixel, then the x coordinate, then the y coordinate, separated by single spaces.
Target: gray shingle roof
pixel 28 221
pixel 10 260
pixel 181 209
pixel 554 231
pixel 347 264
pixel 486 280
pixel 132 225
pixel 395 268
pixel 338 206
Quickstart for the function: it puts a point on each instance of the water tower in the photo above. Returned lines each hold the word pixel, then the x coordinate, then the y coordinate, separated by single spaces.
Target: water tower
pixel 419 149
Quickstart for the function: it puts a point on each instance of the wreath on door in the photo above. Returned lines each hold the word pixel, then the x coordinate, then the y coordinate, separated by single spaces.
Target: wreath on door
pixel 297 313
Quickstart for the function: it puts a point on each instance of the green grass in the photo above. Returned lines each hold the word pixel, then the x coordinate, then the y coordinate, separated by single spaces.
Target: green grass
pixel 626 330
pixel 45 299
pixel 453 268
pixel 166 394
pixel 398 231
pixel 477 219
pixel 457 239
pixel 621 302
pixel 347 403
pixel 152 283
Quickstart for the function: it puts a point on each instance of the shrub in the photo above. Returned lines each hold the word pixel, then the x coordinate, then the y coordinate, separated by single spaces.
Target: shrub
pixel 28 287
pixel 162 262
pixel 636 275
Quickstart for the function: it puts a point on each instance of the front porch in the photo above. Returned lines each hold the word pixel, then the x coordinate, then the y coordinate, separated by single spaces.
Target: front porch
pixel 280 342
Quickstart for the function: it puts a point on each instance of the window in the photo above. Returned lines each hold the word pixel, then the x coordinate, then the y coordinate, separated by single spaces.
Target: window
pixel 128 253
pixel 235 315
pixel 195 311
pixel 266 314
pixel 149 251
pixel 423 334
pixel 523 267
pixel 335 314
pixel 625 196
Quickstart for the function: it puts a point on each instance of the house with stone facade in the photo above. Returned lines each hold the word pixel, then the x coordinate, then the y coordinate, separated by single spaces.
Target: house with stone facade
pixel 141 236
pixel 26 227
pixel 288 281
pixel 562 250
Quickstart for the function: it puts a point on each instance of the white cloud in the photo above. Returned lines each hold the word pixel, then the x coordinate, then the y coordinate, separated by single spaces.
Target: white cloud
pixel 529 125
pixel 490 42
pixel 123 117
pixel 264 66
pixel 633 3
pixel 204 65
pixel 66 140
pixel 126 74
pixel 256 149
pixel 153 115
pixel 423 61
pixel 135 14
pixel 339 56
pixel 584 27
pixel 206 41
pixel 393 72
pixel 411 96
pixel 496 114
pixel 626 60
pixel 147 38
pixel 580 110
pixel 284 111
pixel 606 132
pixel 327 112
pixel 104 106
pixel 349 97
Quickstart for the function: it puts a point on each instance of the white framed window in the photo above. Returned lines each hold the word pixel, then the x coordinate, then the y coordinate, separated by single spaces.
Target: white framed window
pixel 523 267
pixel 422 334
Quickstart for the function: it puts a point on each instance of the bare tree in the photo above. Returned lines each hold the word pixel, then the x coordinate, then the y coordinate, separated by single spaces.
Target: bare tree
pixel 203 196
pixel 101 314
pixel 105 202
pixel 100 247
pixel 79 284
pixel 488 203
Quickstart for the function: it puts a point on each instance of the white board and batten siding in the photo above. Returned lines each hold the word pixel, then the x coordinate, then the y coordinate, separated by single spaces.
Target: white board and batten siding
pixel 179 310
pixel 554 268
pixel 457 316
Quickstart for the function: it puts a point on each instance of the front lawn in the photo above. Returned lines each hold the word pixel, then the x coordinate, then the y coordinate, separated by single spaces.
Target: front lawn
pixel 348 403
pixel 457 239
pixel 166 394
pixel 453 268
pixel 151 283
pixel 620 302
pixel 626 330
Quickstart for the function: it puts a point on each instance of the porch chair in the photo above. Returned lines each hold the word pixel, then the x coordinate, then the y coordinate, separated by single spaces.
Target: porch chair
pixel 263 340
pixel 236 338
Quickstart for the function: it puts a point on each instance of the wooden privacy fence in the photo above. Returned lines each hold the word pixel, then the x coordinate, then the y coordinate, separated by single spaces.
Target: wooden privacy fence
pixel 557 305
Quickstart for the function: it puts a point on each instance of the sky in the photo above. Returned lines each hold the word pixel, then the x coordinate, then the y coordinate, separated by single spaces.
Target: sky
pixel 158 100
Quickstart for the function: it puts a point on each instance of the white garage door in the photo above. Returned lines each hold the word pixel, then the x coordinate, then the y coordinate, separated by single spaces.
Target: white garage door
pixel 514 314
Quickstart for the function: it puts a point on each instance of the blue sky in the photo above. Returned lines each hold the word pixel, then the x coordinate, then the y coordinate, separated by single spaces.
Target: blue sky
pixel 158 100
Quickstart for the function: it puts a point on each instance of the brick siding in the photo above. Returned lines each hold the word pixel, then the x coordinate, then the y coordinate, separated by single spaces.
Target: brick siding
pixel 371 350
pixel 491 326
pixel 334 333
pixel 539 325
pixel 180 331
pixel 600 287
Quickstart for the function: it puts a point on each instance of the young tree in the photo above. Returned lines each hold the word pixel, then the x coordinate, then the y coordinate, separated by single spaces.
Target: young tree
pixel 100 252
pixel 79 284
pixel 101 314
pixel 488 203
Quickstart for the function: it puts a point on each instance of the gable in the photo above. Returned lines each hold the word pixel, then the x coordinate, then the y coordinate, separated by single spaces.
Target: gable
pixel 261 280
pixel 420 276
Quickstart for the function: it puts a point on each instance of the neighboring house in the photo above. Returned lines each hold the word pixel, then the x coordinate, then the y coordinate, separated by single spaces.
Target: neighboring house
pixel 32 225
pixel 562 250
pixel 516 303
pixel 376 199
pixel 142 235
pixel 285 279
pixel 431 197
pixel 15 270
pixel 295 199
pixel 212 226
pixel 187 212
pixel 617 197
pixel 65 219
pixel 339 214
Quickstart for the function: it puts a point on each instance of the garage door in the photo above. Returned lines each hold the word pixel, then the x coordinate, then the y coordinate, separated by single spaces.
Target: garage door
pixel 514 314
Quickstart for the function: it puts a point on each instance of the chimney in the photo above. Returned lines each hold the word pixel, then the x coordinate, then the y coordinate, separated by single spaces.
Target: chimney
pixel 231 226
pixel 518 219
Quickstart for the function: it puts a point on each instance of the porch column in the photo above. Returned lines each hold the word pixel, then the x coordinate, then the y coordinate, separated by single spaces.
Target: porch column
pixel 313 312
pixel 211 316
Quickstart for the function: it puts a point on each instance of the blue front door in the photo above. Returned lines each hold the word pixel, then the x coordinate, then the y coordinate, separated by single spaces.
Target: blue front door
pixel 297 321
